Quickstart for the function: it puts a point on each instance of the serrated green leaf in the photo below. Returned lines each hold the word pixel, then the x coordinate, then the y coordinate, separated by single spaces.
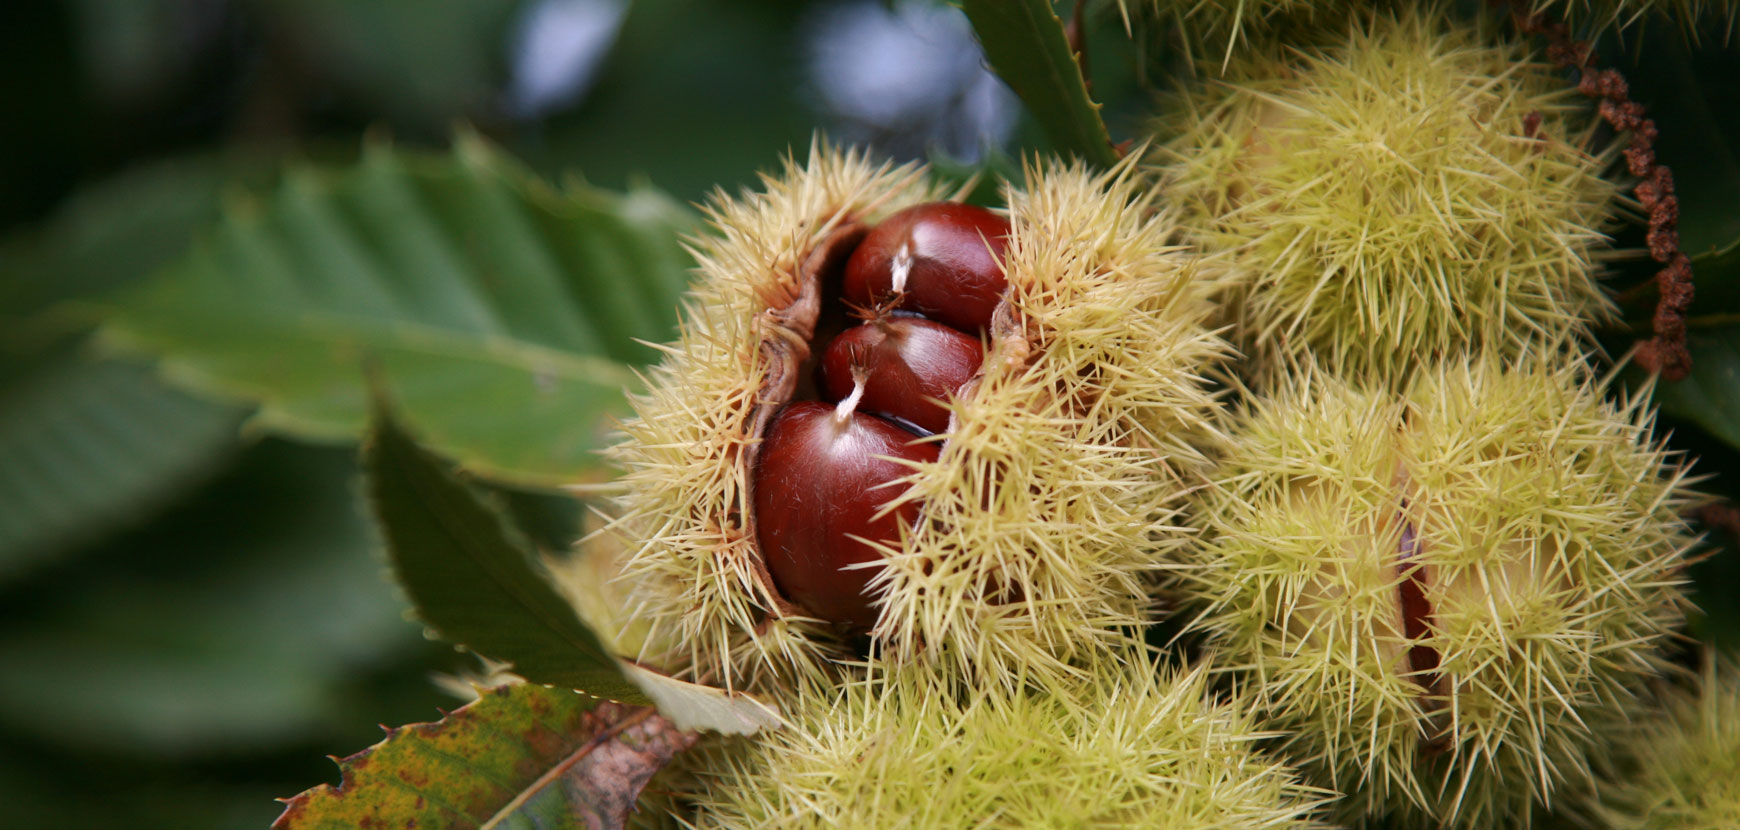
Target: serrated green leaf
pixel 113 233
pixel 471 575
pixel 503 315
pixel 1024 42
pixel 473 578
pixel 521 756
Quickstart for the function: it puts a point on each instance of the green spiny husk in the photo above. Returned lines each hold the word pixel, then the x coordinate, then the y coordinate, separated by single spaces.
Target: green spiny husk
pixel 1129 747
pixel 1047 514
pixel 1416 190
pixel 1679 770
pixel 1542 525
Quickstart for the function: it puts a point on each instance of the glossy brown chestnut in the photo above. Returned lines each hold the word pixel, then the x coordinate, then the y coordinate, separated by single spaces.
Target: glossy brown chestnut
pixel 909 364
pixel 943 259
pixel 818 484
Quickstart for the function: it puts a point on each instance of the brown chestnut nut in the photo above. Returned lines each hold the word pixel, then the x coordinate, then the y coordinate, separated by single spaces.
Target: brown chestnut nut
pixel 819 487
pixel 941 259
pixel 909 364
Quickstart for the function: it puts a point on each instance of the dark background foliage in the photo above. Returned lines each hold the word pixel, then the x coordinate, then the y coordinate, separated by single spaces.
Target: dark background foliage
pixel 192 612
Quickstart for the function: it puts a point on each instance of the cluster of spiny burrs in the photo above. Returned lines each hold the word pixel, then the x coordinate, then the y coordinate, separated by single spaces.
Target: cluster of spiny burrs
pixel 1008 619
pixel 1408 191
pixel 1427 558
pixel 1680 768
pixel 1441 555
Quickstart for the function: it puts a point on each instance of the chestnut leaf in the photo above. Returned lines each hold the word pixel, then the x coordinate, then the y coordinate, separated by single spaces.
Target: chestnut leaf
pixel 472 577
pixel 1024 42
pixel 507 314
pixel 520 755
pixel 88 447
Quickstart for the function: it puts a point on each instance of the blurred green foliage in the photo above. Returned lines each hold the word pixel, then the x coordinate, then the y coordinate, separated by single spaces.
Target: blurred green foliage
pixel 192 615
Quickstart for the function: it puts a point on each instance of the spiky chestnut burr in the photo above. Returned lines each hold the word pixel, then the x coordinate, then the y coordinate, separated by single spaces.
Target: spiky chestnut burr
pixel 590 578
pixel 1035 546
pixel 1679 770
pixel 1418 190
pixel 1442 597
pixel 1129 748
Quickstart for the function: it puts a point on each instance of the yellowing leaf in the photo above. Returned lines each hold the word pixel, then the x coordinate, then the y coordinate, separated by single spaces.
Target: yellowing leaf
pixel 520 756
